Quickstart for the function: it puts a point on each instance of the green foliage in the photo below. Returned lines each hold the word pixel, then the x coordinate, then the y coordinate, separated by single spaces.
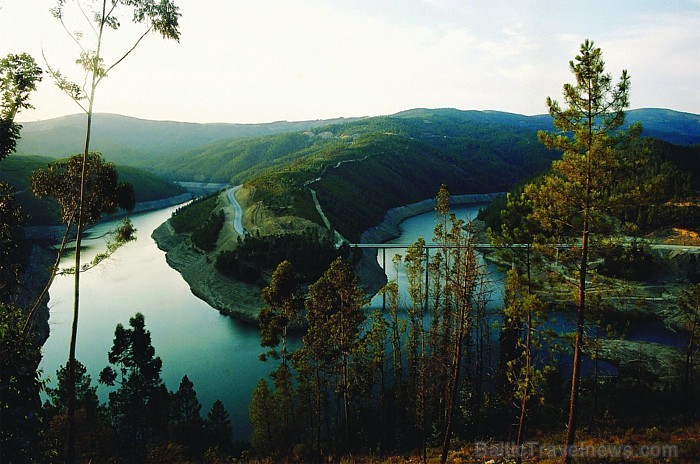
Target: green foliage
pixel 137 406
pixel 256 255
pixel 629 261
pixel 265 420
pixel 187 219
pixel 527 371
pixel 205 236
pixel 217 427
pixel 85 393
pixel 575 199
pixel 13 246
pixel 284 304
pixel 19 75
pixel 20 406
pixel 92 426
pixel 186 424
pixel 648 192
pixel 103 192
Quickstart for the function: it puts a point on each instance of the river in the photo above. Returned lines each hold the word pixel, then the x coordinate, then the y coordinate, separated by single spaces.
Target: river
pixel 422 225
pixel 218 354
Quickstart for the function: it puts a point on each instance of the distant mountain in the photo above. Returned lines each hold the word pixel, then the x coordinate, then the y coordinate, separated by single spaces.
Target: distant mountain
pixel 241 160
pixel 177 148
pixel 668 125
pixel 138 142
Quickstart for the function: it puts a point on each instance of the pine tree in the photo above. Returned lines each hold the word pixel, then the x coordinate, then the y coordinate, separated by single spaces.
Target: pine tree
pixel 264 418
pixel 335 317
pixel 137 406
pixel 186 421
pixel 283 306
pixel 574 199
pixel 463 281
pixel 217 427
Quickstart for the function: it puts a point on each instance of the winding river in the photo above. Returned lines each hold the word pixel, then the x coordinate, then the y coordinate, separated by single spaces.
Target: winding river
pixel 218 354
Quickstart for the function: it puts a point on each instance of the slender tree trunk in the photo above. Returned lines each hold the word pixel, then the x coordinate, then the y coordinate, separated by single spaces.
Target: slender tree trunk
pixel 689 371
pixel 594 409
pixel 76 287
pixel 523 401
pixel 318 414
pixel 464 285
pixel 382 433
pixel 346 398
pixel 454 386
pixel 578 342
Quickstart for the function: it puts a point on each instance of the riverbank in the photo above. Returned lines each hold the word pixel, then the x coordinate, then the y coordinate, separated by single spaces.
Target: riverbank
pixel 243 301
pixel 228 296
pixel 53 234
pixel 388 229
pixel 239 300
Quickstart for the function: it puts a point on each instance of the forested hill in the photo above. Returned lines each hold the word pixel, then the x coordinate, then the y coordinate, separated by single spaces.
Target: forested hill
pixel 224 152
pixel 443 129
pixel 138 142
pixel 393 160
pixel 359 169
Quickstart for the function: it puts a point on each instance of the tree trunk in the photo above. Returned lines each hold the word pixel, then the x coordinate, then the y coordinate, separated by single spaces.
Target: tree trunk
pixel 578 342
pixel 523 402
pixel 454 383
pixel 76 285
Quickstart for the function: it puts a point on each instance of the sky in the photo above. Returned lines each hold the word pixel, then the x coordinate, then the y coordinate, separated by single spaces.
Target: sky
pixel 269 60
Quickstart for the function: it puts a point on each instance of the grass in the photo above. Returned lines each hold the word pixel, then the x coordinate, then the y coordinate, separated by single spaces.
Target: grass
pixel 677 444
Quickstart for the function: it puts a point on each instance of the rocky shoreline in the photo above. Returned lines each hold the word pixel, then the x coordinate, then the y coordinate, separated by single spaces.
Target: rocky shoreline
pixel 242 301
pixel 233 298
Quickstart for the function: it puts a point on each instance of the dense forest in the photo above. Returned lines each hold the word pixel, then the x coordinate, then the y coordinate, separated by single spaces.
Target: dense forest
pixel 439 377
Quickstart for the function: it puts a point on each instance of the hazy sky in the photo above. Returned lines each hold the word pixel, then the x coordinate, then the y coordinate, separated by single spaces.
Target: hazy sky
pixel 264 60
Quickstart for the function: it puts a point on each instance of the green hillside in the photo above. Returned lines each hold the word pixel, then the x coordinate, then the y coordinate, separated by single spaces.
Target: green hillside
pixel 359 169
pixel 234 160
pixel 137 142
pixel 454 132
pixel 17 169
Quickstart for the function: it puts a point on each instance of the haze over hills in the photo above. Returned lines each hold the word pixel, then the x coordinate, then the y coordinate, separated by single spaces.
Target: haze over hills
pixel 137 142
pixel 176 149
pixel 406 156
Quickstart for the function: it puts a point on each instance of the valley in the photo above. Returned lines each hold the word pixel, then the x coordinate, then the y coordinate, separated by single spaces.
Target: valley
pixel 363 181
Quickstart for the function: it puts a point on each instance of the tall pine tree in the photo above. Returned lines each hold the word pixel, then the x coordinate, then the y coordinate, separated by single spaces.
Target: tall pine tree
pixel 574 199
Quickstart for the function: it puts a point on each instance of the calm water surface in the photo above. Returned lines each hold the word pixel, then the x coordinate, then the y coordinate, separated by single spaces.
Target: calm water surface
pixel 423 225
pixel 218 354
